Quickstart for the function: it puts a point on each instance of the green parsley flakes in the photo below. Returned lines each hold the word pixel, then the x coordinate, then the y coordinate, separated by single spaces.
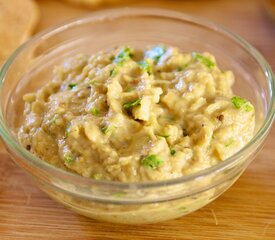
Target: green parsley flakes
pixel 229 143
pixel 241 103
pixel 181 68
pixel 94 111
pixel 123 55
pixel 152 161
pixel 204 60
pixel 107 129
pixel 72 85
pixel 145 65
pixel 69 158
pixel 173 152
pixel 67 133
pixel 131 104
pixel 248 107
pixel 113 72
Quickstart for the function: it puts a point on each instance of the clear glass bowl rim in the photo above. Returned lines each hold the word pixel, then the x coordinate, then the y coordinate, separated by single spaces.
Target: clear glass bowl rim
pixel 113 14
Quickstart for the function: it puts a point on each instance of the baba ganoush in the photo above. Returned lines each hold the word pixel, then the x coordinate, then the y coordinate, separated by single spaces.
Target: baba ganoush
pixel 134 115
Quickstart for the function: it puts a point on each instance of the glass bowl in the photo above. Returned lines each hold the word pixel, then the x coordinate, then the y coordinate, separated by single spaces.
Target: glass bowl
pixel 134 203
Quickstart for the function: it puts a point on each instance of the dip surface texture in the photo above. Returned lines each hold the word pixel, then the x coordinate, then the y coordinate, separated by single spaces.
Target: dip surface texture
pixel 132 116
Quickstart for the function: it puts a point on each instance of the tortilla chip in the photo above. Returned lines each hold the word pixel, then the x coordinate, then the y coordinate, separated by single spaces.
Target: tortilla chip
pixel 17 21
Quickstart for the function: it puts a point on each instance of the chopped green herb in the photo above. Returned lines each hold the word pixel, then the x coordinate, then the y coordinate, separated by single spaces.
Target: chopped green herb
pixel 69 158
pixel 132 103
pixel 94 111
pixel 113 72
pixel 204 60
pixel 240 102
pixel 230 142
pixel 67 133
pixel 152 161
pixel 183 67
pixel 107 129
pixel 119 194
pixel 72 85
pixel 145 65
pixel 155 53
pixel 173 152
pixel 248 107
pixel 123 55
pixel 121 63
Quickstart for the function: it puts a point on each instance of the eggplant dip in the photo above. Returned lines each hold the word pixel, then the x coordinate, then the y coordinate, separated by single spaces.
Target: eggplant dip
pixel 131 115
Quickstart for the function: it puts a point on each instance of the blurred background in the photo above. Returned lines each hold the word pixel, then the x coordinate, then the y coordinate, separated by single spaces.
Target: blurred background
pixel 252 19
pixel 242 14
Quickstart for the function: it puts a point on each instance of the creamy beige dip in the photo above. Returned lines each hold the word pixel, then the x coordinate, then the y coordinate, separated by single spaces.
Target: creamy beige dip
pixel 133 116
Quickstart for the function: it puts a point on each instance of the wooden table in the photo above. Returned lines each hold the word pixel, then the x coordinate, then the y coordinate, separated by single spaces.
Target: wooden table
pixel 246 211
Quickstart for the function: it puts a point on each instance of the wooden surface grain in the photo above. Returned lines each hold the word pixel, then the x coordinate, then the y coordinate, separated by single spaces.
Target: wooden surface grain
pixel 246 211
